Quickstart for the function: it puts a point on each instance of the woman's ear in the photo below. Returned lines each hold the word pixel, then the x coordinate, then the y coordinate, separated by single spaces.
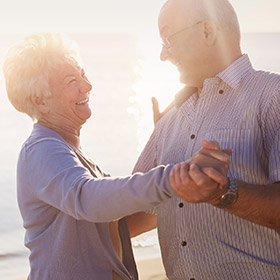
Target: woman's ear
pixel 39 104
pixel 210 31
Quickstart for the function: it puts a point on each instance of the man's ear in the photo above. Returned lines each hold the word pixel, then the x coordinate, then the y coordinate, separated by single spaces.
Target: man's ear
pixel 210 31
pixel 39 104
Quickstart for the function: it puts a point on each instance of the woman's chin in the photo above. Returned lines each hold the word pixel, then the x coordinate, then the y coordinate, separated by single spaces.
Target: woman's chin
pixel 85 117
pixel 84 113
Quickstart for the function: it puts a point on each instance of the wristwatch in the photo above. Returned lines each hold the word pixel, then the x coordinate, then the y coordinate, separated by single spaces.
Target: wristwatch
pixel 230 197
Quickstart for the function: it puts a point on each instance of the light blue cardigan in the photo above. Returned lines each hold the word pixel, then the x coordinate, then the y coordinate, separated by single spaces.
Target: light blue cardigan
pixel 66 210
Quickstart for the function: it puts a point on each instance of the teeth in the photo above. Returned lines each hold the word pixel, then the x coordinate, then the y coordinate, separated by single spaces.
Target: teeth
pixel 82 101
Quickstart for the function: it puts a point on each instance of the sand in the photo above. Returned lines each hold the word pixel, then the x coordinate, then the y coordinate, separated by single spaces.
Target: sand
pixel 151 269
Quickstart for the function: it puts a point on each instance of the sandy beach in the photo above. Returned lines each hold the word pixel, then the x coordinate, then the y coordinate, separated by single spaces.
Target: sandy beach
pixel 150 269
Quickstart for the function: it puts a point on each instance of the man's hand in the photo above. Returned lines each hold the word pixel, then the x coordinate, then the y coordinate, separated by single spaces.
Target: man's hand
pixel 204 176
pixel 211 159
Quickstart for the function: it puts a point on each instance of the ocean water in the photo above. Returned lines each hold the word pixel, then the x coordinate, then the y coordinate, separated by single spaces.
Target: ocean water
pixel 125 72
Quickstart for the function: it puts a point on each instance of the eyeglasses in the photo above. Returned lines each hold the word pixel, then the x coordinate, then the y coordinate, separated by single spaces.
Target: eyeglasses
pixel 166 41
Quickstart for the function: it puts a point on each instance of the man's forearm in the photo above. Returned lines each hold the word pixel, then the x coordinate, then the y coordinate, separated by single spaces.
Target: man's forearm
pixel 258 204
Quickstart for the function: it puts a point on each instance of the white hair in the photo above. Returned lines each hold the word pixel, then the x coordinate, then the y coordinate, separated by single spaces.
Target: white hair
pixel 28 65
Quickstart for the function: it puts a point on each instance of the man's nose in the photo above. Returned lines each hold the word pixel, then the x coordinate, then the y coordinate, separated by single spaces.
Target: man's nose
pixel 164 54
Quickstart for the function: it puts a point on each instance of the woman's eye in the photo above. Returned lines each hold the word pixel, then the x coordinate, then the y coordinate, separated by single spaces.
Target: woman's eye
pixel 72 81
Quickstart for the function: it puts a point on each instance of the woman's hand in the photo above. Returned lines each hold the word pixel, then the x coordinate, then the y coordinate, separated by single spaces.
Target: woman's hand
pixel 157 115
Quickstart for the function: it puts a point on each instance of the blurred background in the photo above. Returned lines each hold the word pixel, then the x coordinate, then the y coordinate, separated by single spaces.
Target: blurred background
pixel 120 47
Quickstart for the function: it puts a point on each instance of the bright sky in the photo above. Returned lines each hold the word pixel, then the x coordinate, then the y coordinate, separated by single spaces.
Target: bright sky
pixel 116 15
pixel 130 16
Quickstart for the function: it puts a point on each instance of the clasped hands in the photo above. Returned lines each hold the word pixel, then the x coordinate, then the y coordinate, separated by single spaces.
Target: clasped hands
pixel 203 178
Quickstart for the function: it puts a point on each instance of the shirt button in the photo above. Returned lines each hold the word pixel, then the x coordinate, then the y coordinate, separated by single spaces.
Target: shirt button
pixel 181 205
pixel 192 136
pixel 221 91
pixel 184 243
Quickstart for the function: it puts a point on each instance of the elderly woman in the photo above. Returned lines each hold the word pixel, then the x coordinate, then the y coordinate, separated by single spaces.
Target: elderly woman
pixel 72 210
pixel 69 210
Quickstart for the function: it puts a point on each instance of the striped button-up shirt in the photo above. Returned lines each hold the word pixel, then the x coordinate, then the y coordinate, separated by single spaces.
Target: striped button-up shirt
pixel 239 108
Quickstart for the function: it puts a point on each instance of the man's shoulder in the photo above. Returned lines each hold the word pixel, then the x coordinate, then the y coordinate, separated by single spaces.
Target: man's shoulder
pixel 267 77
pixel 264 85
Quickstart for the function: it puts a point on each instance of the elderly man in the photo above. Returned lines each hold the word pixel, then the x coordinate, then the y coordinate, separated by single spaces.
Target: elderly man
pixel 236 236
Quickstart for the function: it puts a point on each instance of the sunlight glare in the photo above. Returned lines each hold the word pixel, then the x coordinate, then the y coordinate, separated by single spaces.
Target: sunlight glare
pixel 158 79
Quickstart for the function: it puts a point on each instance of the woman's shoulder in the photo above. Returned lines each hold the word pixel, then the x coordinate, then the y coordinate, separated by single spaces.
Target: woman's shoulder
pixel 44 138
pixel 43 149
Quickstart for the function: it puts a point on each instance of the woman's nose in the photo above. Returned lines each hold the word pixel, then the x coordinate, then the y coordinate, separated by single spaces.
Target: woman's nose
pixel 86 85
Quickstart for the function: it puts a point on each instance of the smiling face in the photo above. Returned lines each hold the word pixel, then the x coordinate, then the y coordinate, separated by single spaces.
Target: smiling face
pixel 68 104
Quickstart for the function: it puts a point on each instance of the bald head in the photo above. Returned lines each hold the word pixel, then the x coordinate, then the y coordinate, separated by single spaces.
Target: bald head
pixel 219 11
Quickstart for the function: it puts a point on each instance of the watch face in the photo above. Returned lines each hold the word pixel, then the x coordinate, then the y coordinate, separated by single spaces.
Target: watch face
pixel 228 199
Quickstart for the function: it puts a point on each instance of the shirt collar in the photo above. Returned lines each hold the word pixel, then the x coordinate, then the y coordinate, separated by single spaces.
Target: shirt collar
pixel 234 73
pixel 232 76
